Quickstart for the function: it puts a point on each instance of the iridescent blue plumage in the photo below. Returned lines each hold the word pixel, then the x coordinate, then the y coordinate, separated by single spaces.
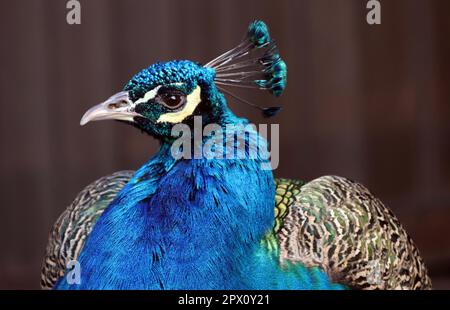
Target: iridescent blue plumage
pixel 275 68
pixel 258 33
pixel 191 224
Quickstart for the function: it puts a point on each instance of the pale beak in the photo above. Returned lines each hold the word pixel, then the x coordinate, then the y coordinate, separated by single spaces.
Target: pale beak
pixel 118 107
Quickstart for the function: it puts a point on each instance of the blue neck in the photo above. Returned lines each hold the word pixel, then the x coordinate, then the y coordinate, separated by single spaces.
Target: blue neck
pixel 191 224
pixel 187 223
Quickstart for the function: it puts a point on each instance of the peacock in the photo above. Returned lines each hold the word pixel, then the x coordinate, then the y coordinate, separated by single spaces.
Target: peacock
pixel 190 219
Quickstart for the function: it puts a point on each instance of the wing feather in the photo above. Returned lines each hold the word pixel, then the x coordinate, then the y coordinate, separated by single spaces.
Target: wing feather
pixel 69 233
pixel 338 225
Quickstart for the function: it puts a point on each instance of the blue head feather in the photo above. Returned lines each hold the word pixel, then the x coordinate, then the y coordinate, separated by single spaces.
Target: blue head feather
pixel 255 62
pixel 275 68
pixel 276 71
pixel 162 73
pixel 258 33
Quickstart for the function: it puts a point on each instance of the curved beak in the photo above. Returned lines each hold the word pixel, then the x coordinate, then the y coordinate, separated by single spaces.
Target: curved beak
pixel 117 107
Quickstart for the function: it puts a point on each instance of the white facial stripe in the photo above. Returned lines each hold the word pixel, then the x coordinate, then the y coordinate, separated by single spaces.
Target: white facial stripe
pixel 193 99
pixel 148 95
pixel 152 94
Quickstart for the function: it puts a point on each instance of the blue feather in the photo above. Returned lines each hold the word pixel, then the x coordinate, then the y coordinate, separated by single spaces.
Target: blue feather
pixel 258 33
pixel 183 224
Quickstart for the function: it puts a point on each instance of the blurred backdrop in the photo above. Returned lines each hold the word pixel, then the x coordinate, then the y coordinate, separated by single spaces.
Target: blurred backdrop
pixel 367 102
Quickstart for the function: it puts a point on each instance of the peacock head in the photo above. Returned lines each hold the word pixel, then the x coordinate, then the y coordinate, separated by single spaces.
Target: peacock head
pixel 174 92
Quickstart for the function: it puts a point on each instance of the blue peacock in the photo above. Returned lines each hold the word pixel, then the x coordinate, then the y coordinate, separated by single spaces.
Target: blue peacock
pixel 189 222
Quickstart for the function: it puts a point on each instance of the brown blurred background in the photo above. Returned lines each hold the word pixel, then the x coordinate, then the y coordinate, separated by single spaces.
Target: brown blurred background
pixel 367 102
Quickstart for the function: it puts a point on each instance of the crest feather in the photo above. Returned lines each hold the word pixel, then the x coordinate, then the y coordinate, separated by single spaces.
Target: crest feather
pixel 254 63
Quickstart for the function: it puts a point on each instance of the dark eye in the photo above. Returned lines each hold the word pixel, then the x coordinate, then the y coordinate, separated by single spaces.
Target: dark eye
pixel 172 99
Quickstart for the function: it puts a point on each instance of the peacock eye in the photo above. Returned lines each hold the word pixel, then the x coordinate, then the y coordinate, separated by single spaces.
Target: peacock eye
pixel 172 99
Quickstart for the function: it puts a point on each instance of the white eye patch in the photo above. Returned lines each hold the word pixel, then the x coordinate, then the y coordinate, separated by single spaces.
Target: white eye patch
pixel 192 101
pixel 148 95
pixel 151 94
